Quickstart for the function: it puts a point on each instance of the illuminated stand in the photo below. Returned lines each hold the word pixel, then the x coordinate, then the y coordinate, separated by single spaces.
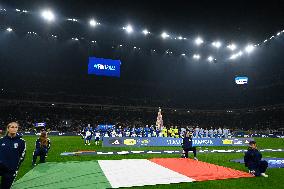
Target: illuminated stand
pixel 159 122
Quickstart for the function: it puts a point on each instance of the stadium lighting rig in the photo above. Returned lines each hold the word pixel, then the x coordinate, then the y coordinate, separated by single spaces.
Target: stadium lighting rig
pixel 249 48
pixel 198 41
pixel 72 19
pixel 9 29
pixel 196 56
pixel 128 29
pixel 217 44
pixel 164 35
pixel 93 23
pixel 48 15
pixel 232 47
pixel 145 32
pixel 234 56
pixel 210 59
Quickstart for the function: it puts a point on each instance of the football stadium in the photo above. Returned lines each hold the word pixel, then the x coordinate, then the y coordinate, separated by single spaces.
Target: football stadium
pixel 141 94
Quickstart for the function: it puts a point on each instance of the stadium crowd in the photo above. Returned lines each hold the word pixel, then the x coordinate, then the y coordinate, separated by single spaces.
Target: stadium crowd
pixel 73 118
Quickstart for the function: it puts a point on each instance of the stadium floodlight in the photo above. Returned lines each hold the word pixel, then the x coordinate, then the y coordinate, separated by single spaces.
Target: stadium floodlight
pixel 93 23
pixel 180 37
pixel 134 47
pixel 198 41
pixel 9 29
pixel 48 15
pixel 164 35
pixel 18 10
pixel 232 47
pixel 72 19
pixel 217 44
pixel 234 56
pixel 196 56
pixel 210 58
pixel 183 54
pixel 128 29
pixel 240 53
pixel 249 48
pixel 265 41
pixel 24 11
pixel 278 33
pixel 120 45
pixel 145 32
pixel 271 37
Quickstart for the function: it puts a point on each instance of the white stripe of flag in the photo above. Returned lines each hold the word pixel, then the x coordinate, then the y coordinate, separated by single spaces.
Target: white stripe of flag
pixel 139 172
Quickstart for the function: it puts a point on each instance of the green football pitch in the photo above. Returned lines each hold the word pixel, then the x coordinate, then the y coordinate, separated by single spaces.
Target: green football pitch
pixel 75 143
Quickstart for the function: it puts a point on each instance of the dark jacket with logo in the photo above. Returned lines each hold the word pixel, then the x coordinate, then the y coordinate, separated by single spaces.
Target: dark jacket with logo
pixel 42 148
pixel 187 142
pixel 12 151
pixel 252 158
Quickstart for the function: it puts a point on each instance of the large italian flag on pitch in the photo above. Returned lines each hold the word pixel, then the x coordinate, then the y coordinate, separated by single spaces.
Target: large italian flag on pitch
pixel 123 173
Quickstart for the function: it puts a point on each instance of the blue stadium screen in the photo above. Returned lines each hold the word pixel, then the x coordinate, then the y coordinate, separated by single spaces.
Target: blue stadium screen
pixel 241 80
pixel 104 67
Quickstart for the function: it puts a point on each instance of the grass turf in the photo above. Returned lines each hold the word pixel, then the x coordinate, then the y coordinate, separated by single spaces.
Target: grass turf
pixel 75 143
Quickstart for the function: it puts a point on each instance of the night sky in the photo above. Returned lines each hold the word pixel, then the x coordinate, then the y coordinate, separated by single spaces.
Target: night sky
pixel 40 64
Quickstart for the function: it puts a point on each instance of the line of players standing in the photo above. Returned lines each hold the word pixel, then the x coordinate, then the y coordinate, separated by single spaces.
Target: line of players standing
pixel 211 133
pixel 89 132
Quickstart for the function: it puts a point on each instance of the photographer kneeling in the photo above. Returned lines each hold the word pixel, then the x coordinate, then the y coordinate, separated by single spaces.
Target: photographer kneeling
pixel 187 145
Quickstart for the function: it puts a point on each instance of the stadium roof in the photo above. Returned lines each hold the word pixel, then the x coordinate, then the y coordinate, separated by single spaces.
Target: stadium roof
pixel 157 42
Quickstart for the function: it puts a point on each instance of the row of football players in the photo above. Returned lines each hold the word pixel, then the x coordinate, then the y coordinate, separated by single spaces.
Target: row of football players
pixel 211 133
pixel 154 132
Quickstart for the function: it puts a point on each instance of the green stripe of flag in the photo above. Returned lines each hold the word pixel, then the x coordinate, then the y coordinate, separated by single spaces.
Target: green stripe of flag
pixel 86 174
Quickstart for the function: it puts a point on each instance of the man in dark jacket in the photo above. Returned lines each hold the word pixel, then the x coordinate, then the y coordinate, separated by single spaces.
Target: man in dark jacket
pixel 12 153
pixel 187 145
pixel 253 161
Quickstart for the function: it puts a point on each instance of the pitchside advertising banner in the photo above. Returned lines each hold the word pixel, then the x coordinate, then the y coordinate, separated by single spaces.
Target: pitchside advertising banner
pixel 167 141
pixel 104 67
